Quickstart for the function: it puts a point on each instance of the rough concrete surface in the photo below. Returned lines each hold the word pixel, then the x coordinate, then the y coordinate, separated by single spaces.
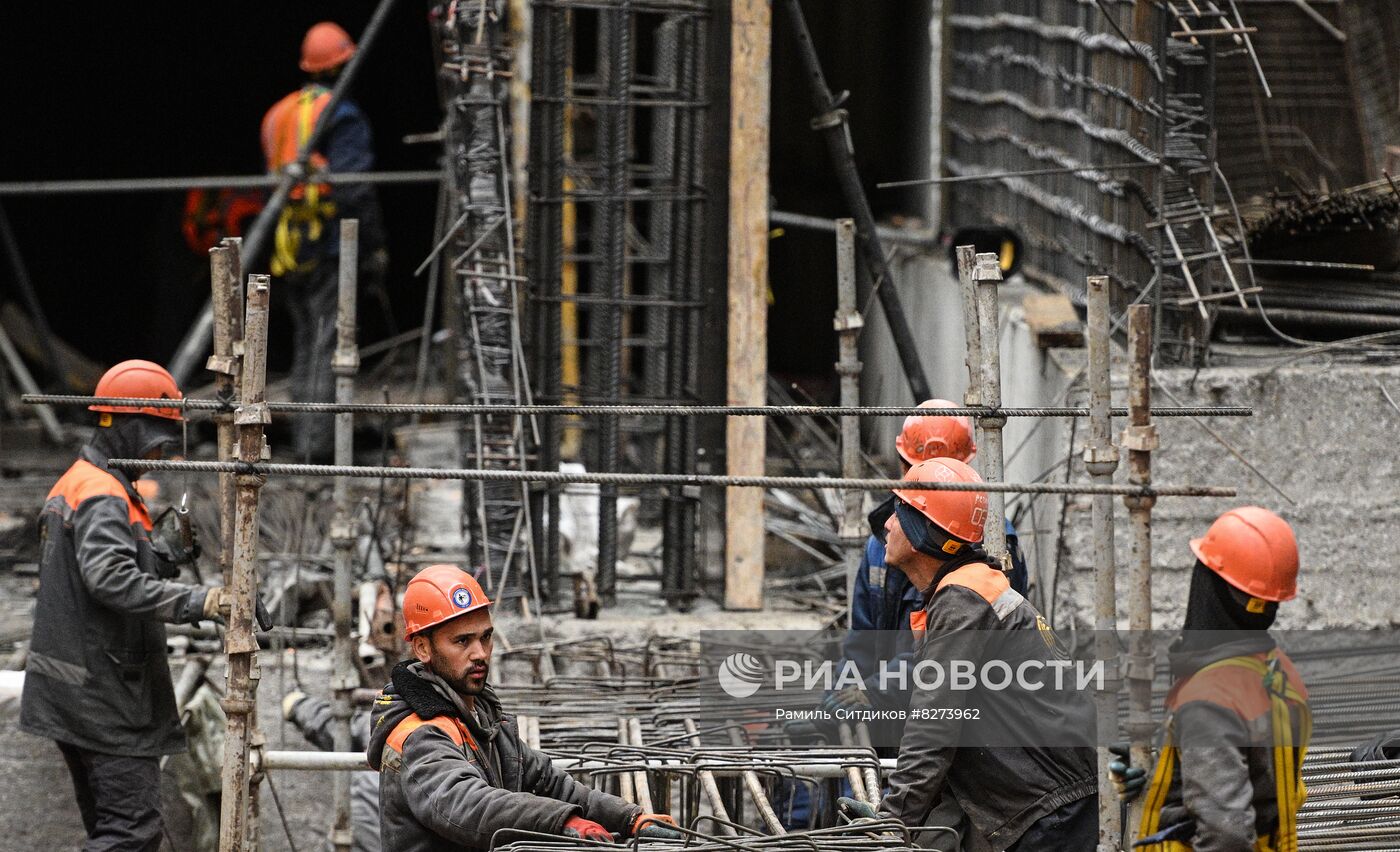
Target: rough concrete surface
pixel 1324 434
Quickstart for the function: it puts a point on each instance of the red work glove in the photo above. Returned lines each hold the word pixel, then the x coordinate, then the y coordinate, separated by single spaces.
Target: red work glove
pixel 660 826
pixel 586 829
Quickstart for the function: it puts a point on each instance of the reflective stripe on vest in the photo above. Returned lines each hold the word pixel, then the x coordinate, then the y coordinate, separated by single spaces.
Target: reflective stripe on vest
pixel 1289 790
pixel 452 727
pixel 286 127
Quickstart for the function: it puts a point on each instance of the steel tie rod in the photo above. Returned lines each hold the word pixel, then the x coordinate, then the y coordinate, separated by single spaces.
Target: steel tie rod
pixel 630 410
pixel 638 479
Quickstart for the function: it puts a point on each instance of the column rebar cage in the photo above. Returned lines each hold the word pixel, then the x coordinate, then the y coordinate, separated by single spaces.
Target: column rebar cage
pixel 615 226
pixel 480 267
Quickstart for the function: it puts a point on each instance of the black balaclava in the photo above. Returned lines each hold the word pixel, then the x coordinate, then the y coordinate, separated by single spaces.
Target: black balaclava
pixel 1214 605
pixel 131 436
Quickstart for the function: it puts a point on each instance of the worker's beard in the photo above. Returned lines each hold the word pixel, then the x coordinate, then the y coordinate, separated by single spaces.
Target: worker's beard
pixel 467 682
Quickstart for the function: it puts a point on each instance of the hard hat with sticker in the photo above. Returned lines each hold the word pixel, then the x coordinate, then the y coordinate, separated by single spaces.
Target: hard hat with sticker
pixel 462 598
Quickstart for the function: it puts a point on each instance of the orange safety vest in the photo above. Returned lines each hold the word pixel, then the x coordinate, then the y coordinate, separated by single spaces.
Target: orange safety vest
pixel 448 725
pixel 285 129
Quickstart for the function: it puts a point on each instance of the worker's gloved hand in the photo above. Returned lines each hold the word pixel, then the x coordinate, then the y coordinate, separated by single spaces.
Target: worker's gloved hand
pixel 854 809
pixel 850 698
pixel 1128 780
pixel 656 826
pixel 586 829
pixel 218 602
pixel 290 701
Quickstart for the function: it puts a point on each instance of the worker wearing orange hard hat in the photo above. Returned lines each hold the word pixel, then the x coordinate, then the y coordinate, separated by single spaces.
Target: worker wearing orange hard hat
pixel 306 243
pixel 881 600
pixel 97 681
pixel 453 767
pixel 1032 791
pixel 1229 772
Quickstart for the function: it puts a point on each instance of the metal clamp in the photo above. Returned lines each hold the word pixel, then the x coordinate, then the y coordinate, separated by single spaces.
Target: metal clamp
pixel 1139 667
pixel 252 414
pixel 833 118
pixel 849 321
pixel 1101 455
pixel 223 364
pixel 1140 438
pixel 346 362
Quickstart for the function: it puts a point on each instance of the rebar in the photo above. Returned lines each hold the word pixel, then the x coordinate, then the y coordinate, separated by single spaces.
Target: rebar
pixel 262 469
pixel 190 404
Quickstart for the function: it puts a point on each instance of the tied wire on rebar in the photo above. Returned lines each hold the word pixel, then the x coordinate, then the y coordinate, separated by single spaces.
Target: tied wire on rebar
pixel 635 410
pixel 665 479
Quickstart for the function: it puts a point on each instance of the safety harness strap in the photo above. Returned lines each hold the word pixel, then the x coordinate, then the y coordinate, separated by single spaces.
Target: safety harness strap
pixel 1289 789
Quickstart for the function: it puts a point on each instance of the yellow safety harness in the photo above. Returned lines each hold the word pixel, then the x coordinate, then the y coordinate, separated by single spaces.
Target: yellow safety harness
pixel 302 219
pixel 1289 789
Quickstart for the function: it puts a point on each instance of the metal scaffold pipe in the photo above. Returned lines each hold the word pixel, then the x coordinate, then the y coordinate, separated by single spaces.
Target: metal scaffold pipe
pixel 1101 460
pixel 169 184
pixel 1140 439
pixel 986 273
pixel 345 363
pixel 646 479
pixel 240 697
pixel 465 410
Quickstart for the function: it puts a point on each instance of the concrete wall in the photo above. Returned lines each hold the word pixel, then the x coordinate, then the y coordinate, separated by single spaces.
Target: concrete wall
pixel 1322 432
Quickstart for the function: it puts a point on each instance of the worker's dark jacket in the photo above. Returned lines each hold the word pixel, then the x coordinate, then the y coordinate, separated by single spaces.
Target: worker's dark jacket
pixel 315 718
pixel 882 601
pixel 451 779
pixel 1215 785
pixel 97 675
pixel 1005 768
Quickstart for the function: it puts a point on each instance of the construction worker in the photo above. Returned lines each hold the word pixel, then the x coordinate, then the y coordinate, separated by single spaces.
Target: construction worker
pixel 97 681
pixel 1023 795
pixel 1229 772
pixel 453 768
pixel 883 600
pixel 315 718
pixel 306 246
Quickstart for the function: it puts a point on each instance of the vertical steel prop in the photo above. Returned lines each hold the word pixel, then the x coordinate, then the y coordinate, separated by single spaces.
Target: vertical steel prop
pixel 345 363
pixel 987 275
pixel 237 817
pixel 225 278
pixel 1140 439
pixel 1101 460
pixel 972 332
pixel 848 324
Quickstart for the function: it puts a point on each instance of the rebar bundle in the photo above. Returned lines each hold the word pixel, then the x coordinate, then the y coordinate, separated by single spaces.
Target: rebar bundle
pixel 482 270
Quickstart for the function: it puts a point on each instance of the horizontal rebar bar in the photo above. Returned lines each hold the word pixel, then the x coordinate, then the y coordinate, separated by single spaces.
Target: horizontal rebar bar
pixel 628 410
pixel 548 476
pixel 166 184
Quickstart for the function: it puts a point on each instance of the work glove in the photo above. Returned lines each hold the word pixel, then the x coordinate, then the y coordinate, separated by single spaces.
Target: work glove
pixel 586 829
pixel 654 826
pixel 218 602
pixel 854 809
pixel 290 701
pixel 850 698
pixel 1128 780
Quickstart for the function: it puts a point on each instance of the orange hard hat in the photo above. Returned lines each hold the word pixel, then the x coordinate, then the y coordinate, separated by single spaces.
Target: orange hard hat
pixel 439 593
pixel 1253 550
pixel 961 514
pixel 928 436
pixel 327 45
pixel 138 378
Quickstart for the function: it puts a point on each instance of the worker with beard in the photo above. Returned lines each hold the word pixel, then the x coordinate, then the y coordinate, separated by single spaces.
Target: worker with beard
pixel 453 768
pixel 1229 773
pixel 1017 760
pixel 97 681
